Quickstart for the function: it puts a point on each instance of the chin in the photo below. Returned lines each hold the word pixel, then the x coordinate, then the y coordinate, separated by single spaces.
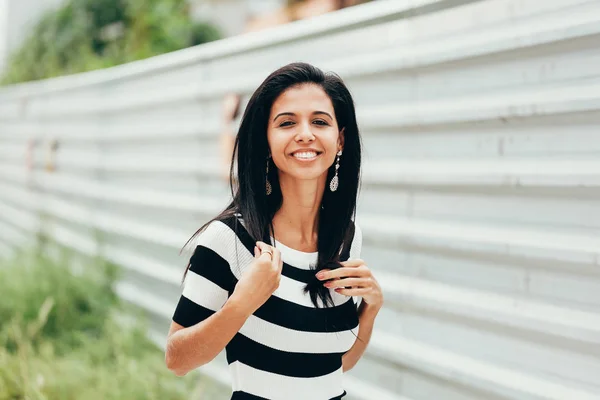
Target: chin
pixel 304 175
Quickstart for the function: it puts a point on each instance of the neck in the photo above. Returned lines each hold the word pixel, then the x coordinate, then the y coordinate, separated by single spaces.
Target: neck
pixel 297 221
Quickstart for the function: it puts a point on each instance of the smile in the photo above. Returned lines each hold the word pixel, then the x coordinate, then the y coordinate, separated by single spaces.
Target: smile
pixel 306 155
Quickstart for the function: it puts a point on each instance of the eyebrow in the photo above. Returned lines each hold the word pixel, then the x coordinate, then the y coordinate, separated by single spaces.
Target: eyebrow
pixel 292 114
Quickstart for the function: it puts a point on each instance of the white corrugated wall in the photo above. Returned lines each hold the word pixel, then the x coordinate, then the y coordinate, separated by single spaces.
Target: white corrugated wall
pixel 480 201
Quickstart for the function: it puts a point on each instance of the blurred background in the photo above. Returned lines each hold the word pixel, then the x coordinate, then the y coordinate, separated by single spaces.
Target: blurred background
pixel 479 205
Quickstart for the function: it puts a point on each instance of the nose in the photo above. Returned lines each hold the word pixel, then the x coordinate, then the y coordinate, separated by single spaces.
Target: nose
pixel 305 134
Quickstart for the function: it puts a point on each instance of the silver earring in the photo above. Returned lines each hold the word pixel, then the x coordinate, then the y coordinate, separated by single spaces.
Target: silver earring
pixel 333 185
pixel 268 185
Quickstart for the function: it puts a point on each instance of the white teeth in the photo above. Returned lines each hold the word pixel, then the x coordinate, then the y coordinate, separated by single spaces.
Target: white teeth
pixel 305 154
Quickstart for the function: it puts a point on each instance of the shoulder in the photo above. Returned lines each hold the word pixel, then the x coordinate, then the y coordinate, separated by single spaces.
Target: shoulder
pixel 214 234
pixel 219 241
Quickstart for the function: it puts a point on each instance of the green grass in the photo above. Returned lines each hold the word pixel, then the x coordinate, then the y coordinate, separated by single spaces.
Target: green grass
pixel 60 338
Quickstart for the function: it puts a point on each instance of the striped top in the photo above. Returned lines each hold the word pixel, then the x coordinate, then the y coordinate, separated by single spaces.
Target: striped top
pixel 287 349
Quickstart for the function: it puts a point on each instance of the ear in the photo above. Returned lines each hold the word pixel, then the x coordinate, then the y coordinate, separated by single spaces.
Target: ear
pixel 341 140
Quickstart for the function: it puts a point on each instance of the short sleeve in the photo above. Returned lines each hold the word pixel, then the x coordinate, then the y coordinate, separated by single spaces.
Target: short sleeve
pixel 356 246
pixel 355 252
pixel 209 281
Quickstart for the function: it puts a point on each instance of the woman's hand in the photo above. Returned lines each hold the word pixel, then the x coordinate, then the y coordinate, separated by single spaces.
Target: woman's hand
pixel 354 278
pixel 260 279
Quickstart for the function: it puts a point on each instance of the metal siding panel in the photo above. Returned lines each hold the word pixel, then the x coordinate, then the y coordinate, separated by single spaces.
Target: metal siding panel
pixel 479 203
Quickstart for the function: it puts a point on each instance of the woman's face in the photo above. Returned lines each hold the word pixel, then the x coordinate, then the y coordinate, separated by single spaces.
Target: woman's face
pixel 303 134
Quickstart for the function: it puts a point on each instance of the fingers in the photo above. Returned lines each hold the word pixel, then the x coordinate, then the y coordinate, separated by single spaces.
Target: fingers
pixel 353 263
pixel 361 271
pixel 258 252
pixel 348 283
pixel 264 250
pixel 353 292
pixel 271 253
pixel 262 246
pixel 277 259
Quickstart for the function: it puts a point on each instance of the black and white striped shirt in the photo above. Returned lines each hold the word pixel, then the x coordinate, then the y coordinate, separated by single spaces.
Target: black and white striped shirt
pixel 287 349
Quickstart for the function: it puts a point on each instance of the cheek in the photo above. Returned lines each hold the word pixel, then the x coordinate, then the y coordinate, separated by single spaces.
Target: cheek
pixel 272 140
pixel 277 147
pixel 331 143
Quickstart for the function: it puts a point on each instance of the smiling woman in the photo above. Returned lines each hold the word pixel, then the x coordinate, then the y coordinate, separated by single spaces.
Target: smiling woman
pixel 274 277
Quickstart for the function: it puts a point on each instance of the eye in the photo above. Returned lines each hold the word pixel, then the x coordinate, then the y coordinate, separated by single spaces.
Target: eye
pixel 283 124
pixel 321 122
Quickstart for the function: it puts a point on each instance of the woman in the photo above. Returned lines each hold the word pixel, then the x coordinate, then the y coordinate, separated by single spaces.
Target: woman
pixel 274 278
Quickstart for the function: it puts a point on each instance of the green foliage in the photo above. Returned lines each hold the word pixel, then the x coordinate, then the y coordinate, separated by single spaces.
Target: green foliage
pixel 60 339
pixel 80 304
pixel 84 35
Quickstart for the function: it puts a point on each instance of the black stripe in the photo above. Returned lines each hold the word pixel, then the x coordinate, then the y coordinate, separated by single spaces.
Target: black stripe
pixel 265 358
pixel 239 395
pixel 282 313
pixel 207 263
pixel 298 274
pixel 309 319
pixel 187 313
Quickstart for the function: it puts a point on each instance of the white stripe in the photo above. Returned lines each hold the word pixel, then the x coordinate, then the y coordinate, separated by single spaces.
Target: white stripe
pixel 205 293
pixel 222 240
pixel 290 340
pixel 281 387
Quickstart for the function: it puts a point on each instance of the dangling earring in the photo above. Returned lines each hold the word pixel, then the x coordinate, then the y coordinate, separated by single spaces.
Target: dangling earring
pixel 268 186
pixel 333 185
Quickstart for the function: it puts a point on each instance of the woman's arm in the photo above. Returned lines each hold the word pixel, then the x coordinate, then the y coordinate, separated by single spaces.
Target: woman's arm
pixel 197 337
pixel 192 347
pixel 366 318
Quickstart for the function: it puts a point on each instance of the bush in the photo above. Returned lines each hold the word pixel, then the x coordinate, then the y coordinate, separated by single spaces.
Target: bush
pixel 84 35
pixel 60 338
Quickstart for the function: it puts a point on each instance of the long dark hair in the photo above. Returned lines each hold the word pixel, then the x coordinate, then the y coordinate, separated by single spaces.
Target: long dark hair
pixel 251 152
